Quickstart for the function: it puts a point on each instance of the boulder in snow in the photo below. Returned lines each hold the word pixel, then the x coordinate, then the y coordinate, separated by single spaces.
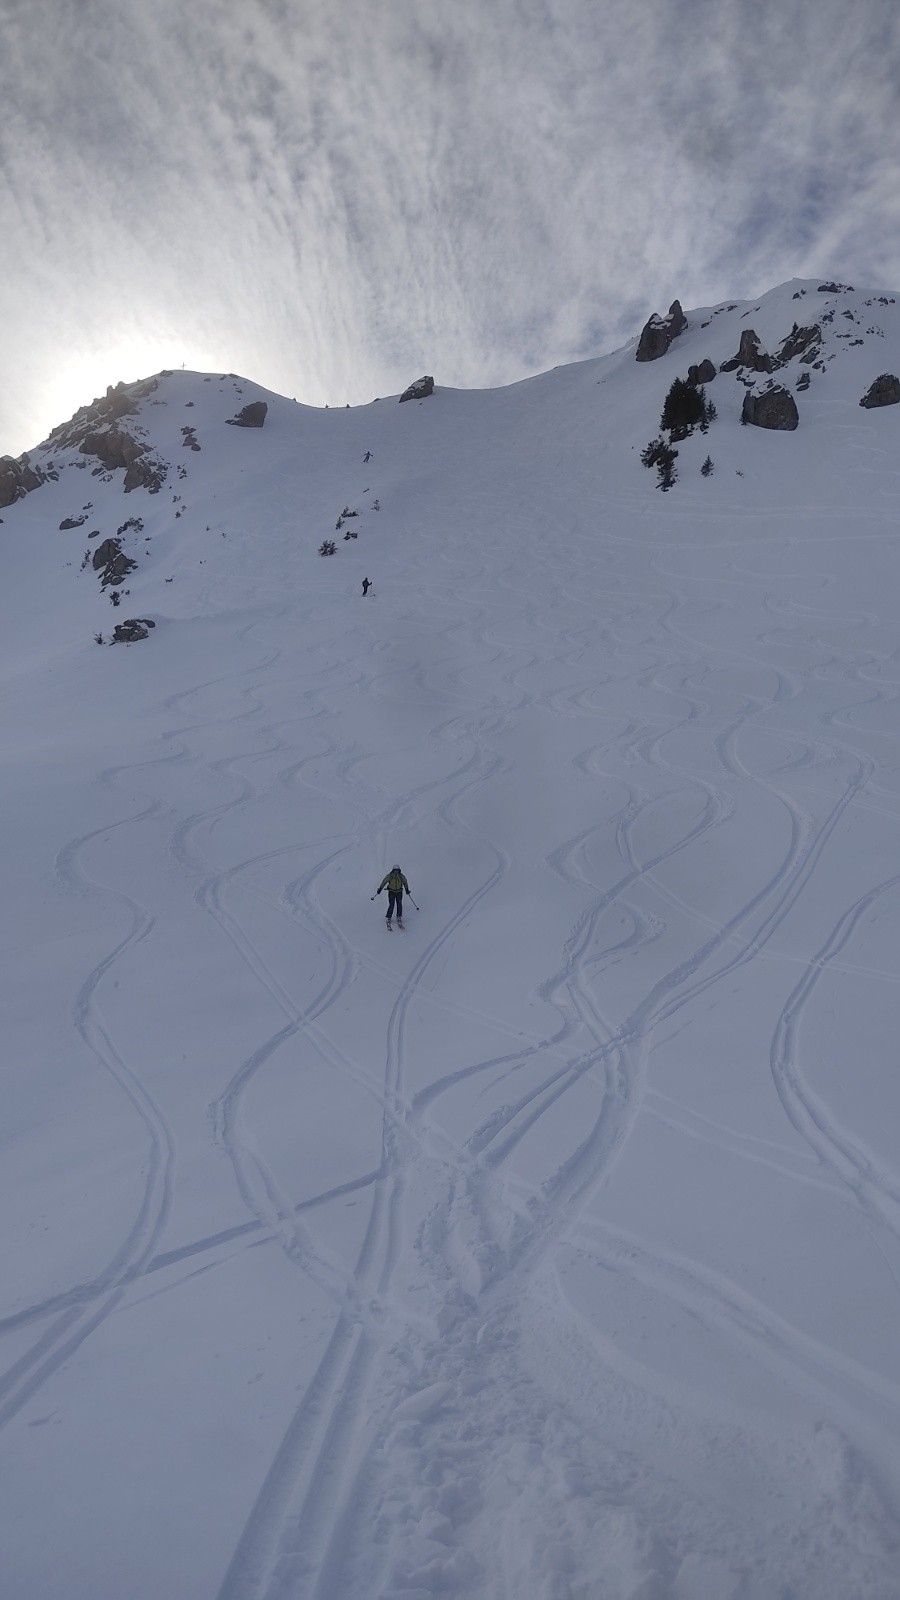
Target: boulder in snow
pixel 704 373
pixel 252 415
pixel 776 408
pixel 884 391
pixel 132 629
pixel 420 390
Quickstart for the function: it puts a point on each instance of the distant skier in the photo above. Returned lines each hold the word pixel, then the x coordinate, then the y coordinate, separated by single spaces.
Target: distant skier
pixel 367 458
pixel 366 585
pixel 395 883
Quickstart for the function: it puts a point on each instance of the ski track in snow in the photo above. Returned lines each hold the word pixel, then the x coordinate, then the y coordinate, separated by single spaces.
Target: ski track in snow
pixel 426 1454
pixel 299 1540
pixel 82 1309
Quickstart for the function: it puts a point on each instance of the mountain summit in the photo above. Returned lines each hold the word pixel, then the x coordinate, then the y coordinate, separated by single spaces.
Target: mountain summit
pixel 800 357
pixel 550 1248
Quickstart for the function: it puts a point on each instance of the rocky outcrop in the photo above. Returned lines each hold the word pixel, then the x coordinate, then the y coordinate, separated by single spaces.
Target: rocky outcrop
pixel 11 488
pixel 775 408
pixel 704 373
pixel 104 553
pixel 112 446
pixel 111 561
pixel 145 473
pixel 120 400
pixel 132 629
pixel 251 416
pixel 115 448
pixel 803 342
pixel 750 354
pixel 658 332
pixel 95 431
pixel 885 391
pixel 17 477
pixel 420 390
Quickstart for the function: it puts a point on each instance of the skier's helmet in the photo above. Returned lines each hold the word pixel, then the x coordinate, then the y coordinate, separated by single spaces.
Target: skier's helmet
pixel 395 869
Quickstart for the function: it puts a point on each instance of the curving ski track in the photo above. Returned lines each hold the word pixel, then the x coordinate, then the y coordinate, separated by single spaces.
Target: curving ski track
pixel 401 1462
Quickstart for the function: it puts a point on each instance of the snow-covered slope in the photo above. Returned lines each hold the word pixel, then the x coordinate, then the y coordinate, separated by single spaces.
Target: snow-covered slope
pixel 550 1248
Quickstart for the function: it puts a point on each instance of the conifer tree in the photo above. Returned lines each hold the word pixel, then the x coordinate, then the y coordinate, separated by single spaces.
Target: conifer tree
pixel 683 409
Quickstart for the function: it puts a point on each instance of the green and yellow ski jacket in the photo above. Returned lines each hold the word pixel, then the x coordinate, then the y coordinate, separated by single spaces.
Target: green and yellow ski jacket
pixel 393 881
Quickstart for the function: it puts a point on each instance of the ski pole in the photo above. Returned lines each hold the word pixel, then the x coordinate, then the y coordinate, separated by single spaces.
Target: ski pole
pixel 413 901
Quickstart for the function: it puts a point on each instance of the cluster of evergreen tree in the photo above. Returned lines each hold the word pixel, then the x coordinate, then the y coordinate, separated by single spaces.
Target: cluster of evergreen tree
pixel 660 455
pixel 685 408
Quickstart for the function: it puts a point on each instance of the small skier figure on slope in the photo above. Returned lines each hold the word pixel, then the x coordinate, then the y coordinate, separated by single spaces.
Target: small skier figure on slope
pixel 395 883
pixel 367 584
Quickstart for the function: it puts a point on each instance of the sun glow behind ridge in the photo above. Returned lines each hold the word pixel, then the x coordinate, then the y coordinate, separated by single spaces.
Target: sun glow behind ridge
pixel 84 375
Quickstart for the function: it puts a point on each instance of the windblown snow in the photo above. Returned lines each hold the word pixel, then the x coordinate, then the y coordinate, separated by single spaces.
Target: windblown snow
pixel 549 1250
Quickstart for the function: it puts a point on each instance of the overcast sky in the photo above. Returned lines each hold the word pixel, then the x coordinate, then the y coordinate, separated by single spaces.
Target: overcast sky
pixel 332 197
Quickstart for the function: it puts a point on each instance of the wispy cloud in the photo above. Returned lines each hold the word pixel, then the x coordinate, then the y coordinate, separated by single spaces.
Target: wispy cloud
pixel 333 197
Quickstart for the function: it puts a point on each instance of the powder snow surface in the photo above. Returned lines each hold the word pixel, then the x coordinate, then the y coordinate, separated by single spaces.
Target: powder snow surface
pixel 549 1249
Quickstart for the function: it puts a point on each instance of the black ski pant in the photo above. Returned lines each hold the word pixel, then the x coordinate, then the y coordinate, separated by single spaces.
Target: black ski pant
pixel 395 900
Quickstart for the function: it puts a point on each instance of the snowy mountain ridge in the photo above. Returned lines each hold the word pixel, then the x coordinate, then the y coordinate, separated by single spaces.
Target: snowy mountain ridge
pixel 550 1248
pixel 859 330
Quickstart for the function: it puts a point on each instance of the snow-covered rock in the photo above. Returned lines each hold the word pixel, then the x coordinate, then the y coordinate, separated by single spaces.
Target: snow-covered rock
pixel 883 391
pixel 750 355
pixel 252 415
pixel 658 332
pixel 775 408
pixel 420 390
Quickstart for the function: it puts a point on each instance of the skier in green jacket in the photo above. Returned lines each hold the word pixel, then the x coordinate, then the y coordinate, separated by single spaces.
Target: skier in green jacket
pixel 395 883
